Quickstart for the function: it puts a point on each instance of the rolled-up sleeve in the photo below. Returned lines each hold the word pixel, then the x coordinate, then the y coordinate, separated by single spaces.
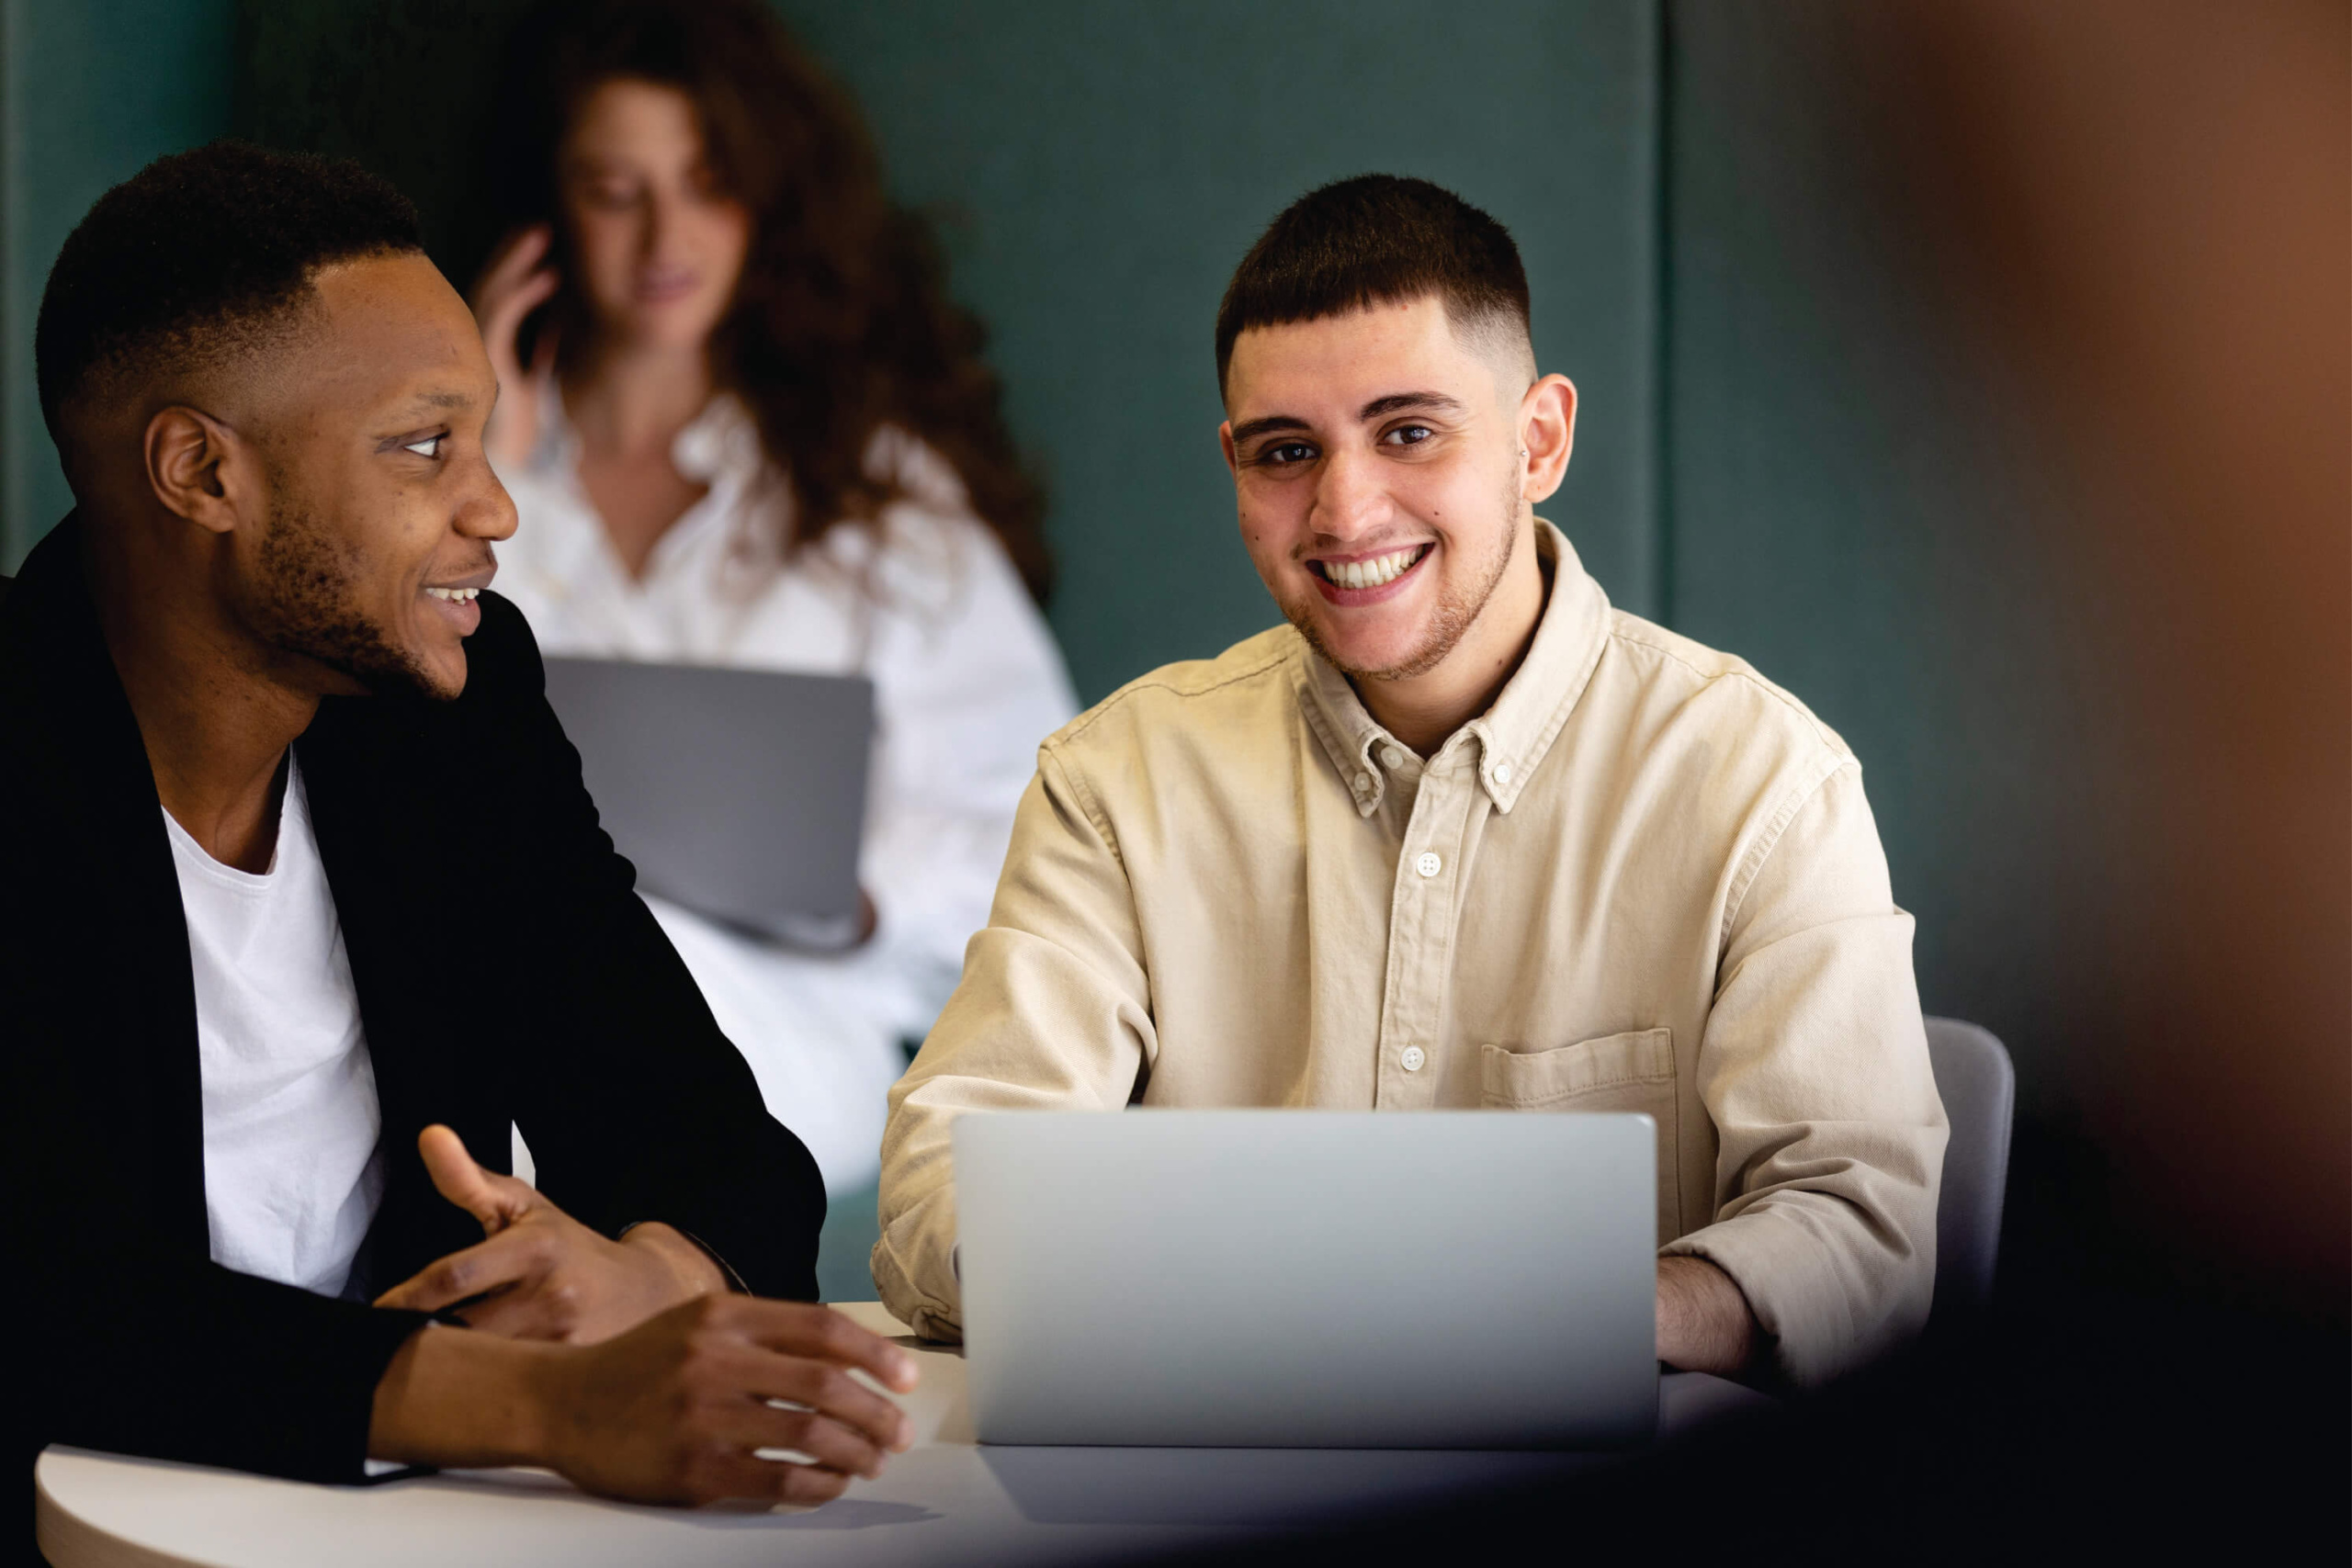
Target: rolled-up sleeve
pixel 1054 1013
pixel 1814 1068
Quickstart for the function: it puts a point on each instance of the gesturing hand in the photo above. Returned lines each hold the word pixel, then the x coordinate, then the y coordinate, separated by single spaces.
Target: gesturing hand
pixel 541 1274
pixel 513 285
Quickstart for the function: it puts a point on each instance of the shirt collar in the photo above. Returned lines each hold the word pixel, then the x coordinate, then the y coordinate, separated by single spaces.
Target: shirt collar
pixel 1507 742
pixel 718 447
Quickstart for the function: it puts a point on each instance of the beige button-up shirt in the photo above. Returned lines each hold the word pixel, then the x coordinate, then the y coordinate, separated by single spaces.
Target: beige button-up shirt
pixel 1644 880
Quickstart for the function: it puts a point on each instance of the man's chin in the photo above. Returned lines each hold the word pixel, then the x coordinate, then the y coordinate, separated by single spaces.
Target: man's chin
pixel 434 680
pixel 385 672
pixel 1369 659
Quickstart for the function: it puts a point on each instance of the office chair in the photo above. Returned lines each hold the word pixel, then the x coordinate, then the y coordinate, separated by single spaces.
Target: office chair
pixel 1979 1090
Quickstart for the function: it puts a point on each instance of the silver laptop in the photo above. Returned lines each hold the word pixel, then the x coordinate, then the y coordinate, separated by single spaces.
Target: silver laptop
pixel 1285 1279
pixel 739 793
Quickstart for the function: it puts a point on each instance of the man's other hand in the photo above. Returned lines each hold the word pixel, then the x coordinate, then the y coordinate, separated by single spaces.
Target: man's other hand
pixel 1704 1320
pixel 679 1409
pixel 540 1274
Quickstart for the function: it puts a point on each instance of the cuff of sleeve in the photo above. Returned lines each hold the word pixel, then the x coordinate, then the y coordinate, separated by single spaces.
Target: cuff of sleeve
pixel 734 1281
pixel 1793 1286
pixel 930 1317
pixel 387 1329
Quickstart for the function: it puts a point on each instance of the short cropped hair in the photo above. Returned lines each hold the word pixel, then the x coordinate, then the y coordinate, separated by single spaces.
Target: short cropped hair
pixel 1376 239
pixel 196 259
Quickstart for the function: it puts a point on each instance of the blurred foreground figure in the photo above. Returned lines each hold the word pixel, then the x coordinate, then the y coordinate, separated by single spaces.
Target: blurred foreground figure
pixel 307 901
pixel 1459 835
pixel 2143 210
pixel 743 424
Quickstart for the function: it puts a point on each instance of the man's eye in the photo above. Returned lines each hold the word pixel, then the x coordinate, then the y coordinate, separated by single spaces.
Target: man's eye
pixel 1409 434
pixel 1285 452
pixel 428 447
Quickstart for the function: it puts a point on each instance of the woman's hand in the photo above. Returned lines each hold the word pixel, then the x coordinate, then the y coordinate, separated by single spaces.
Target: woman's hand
pixel 513 285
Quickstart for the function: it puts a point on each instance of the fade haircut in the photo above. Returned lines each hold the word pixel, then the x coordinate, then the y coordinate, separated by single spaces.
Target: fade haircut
pixel 196 260
pixel 1379 239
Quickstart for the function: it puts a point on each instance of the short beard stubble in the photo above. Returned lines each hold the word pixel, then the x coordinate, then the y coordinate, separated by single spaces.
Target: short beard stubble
pixel 1458 609
pixel 306 606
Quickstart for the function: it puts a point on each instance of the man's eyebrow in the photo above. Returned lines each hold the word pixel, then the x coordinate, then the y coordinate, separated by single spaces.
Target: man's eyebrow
pixel 444 400
pixel 1399 403
pixel 1249 430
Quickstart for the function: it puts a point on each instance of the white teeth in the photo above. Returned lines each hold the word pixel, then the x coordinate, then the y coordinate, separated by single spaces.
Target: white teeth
pixel 454 595
pixel 1377 573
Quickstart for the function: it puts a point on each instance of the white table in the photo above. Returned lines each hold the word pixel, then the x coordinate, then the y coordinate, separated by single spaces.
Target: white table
pixel 946 1501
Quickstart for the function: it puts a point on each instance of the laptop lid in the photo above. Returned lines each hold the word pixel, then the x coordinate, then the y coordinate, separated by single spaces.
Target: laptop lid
pixel 739 793
pixel 1308 1278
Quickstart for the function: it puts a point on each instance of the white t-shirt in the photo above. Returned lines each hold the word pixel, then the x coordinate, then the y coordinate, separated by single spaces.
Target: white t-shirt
pixel 292 1173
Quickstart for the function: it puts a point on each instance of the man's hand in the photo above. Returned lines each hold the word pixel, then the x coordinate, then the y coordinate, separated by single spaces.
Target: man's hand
pixel 675 1410
pixel 541 1274
pixel 1704 1320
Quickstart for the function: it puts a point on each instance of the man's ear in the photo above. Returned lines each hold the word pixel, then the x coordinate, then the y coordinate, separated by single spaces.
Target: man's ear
pixel 1225 441
pixel 198 468
pixel 1547 429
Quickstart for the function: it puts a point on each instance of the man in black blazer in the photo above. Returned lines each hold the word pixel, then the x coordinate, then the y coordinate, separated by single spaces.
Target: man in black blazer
pixel 263 623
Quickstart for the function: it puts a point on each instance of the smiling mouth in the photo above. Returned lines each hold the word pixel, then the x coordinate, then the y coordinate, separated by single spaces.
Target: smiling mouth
pixel 1375 572
pixel 454 595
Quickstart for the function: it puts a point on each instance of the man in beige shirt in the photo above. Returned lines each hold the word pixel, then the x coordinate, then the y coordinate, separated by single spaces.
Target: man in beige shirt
pixel 1457 835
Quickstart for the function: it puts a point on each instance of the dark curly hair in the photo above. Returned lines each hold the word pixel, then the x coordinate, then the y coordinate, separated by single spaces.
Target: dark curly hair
pixel 841 322
pixel 196 259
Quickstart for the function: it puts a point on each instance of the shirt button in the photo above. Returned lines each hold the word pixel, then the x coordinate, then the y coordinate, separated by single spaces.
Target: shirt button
pixel 1392 758
pixel 1413 1058
pixel 1364 784
pixel 1502 772
pixel 1427 864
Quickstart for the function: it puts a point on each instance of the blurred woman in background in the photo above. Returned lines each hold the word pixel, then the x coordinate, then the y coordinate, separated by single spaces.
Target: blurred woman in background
pixel 744 425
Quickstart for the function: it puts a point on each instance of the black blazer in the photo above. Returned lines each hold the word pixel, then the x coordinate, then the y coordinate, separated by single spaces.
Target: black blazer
pixel 506 971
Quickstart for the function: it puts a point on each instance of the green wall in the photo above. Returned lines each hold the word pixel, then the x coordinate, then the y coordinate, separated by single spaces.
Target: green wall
pixel 89 93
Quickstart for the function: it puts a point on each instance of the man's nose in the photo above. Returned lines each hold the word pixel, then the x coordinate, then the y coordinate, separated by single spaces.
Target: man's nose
pixel 488 512
pixel 1350 499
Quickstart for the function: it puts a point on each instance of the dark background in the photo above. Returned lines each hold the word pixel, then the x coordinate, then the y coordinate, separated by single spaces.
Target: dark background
pixel 1976 369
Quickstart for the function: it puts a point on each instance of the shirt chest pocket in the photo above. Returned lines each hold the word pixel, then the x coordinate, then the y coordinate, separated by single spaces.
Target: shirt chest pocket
pixel 1632 1072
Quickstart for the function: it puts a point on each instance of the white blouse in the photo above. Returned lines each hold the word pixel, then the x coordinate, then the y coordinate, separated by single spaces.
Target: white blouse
pixel 967 680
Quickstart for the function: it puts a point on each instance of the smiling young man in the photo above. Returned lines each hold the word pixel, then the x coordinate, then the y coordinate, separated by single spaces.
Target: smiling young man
pixel 304 899
pixel 1458 835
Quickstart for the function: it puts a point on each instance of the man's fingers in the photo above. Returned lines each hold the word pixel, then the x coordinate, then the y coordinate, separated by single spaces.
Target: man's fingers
pixel 511 1257
pixel 825 1441
pixel 770 1481
pixel 796 1329
pixel 496 1201
pixel 832 1392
